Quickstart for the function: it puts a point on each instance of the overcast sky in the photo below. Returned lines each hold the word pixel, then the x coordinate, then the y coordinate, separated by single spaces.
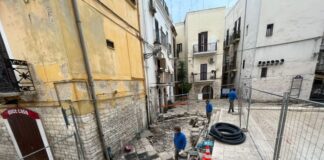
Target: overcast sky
pixel 179 8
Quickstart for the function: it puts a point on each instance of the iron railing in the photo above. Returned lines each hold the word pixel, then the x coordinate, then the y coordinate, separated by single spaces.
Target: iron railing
pixel 23 75
pixel 229 66
pixel 226 43
pixel 16 76
pixel 206 76
pixel 204 48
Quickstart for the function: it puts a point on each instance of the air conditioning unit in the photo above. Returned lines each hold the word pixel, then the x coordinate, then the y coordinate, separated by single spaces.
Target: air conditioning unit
pixel 211 60
pixel 152 7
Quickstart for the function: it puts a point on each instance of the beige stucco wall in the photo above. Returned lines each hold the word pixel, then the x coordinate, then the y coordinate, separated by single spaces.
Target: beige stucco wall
pixel 44 34
pixel 212 21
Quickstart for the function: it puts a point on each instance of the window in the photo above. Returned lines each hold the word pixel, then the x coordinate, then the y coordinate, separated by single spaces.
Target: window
pixel 202 41
pixel 239 25
pixel 235 26
pixel 247 30
pixel 269 30
pixel 203 71
pixel 175 54
pixel 243 66
pixel 164 39
pixel 110 44
pixel 264 71
pixel 179 47
pixel 157 31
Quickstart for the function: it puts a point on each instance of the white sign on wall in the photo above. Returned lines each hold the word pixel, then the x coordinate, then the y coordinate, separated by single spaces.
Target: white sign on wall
pixel 200 96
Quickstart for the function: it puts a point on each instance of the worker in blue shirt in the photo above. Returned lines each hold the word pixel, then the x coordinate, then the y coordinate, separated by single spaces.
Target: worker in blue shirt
pixel 231 98
pixel 179 141
pixel 209 110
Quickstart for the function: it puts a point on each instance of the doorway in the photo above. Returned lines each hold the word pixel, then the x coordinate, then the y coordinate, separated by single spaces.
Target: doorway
pixel 207 92
pixel 27 133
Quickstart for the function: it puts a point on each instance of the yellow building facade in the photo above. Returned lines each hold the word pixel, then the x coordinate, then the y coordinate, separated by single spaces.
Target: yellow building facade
pixel 102 105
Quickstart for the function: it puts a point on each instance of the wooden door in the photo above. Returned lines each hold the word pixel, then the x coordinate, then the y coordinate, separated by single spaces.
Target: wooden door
pixel 203 71
pixel 26 133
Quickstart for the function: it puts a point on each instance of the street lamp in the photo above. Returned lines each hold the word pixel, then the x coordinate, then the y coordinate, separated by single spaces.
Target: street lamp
pixel 156 50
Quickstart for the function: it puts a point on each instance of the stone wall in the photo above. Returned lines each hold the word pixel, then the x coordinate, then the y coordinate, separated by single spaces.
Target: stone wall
pixel 7 150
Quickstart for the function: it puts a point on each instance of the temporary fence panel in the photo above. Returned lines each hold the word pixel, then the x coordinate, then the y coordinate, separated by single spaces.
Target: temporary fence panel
pixel 282 126
pixel 303 136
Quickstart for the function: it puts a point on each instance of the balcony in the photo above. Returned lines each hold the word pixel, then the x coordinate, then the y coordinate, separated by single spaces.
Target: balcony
pixel 204 77
pixel 15 77
pixel 235 37
pixel 226 44
pixel 229 67
pixel 320 68
pixel 204 49
pixel 320 64
pixel 164 78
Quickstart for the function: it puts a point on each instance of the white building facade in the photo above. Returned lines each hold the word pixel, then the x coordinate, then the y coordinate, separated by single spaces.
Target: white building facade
pixel 271 45
pixel 200 46
pixel 158 35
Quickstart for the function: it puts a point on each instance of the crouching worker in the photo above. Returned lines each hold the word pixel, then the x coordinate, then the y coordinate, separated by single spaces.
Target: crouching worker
pixel 179 142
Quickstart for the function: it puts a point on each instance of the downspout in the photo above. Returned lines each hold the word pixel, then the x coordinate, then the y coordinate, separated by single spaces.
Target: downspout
pixel 90 77
pixel 242 48
pixel 144 64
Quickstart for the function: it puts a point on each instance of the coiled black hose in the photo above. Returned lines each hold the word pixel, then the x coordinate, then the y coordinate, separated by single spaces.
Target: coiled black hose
pixel 227 133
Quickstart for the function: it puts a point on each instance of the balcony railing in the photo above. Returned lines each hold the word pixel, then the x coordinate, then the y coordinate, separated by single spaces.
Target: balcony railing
pixel 229 66
pixel 15 77
pixel 320 68
pixel 226 44
pixel 164 78
pixel 204 48
pixel 235 37
pixel 204 76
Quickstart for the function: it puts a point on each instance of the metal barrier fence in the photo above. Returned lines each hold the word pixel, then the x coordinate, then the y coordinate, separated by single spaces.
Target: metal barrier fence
pixel 281 126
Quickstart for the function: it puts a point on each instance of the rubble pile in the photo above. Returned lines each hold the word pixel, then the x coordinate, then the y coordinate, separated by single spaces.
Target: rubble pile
pixel 162 138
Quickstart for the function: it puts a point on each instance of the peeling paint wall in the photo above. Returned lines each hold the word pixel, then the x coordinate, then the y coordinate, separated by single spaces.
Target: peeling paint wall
pixel 44 33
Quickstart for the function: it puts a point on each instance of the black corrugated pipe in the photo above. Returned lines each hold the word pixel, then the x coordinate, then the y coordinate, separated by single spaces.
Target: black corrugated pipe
pixel 90 77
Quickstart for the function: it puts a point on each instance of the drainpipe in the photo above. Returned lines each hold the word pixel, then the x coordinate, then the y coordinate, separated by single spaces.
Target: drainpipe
pixel 144 64
pixel 90 77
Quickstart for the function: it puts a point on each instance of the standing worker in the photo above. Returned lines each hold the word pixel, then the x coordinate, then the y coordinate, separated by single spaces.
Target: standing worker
pixel 179 142
pixel 209 110
pixel 231 97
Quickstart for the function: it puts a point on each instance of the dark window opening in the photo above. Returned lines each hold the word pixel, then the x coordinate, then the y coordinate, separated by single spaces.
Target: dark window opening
pixel 179 47
pixel 243 64
pixel 110 43
pixel 157 31
pixel 269 30
pixel 247 30
pixel 8 82
pixel 202 41
pixel 264 72
pixel 235 27
pixel 239 25
pixel 176 54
